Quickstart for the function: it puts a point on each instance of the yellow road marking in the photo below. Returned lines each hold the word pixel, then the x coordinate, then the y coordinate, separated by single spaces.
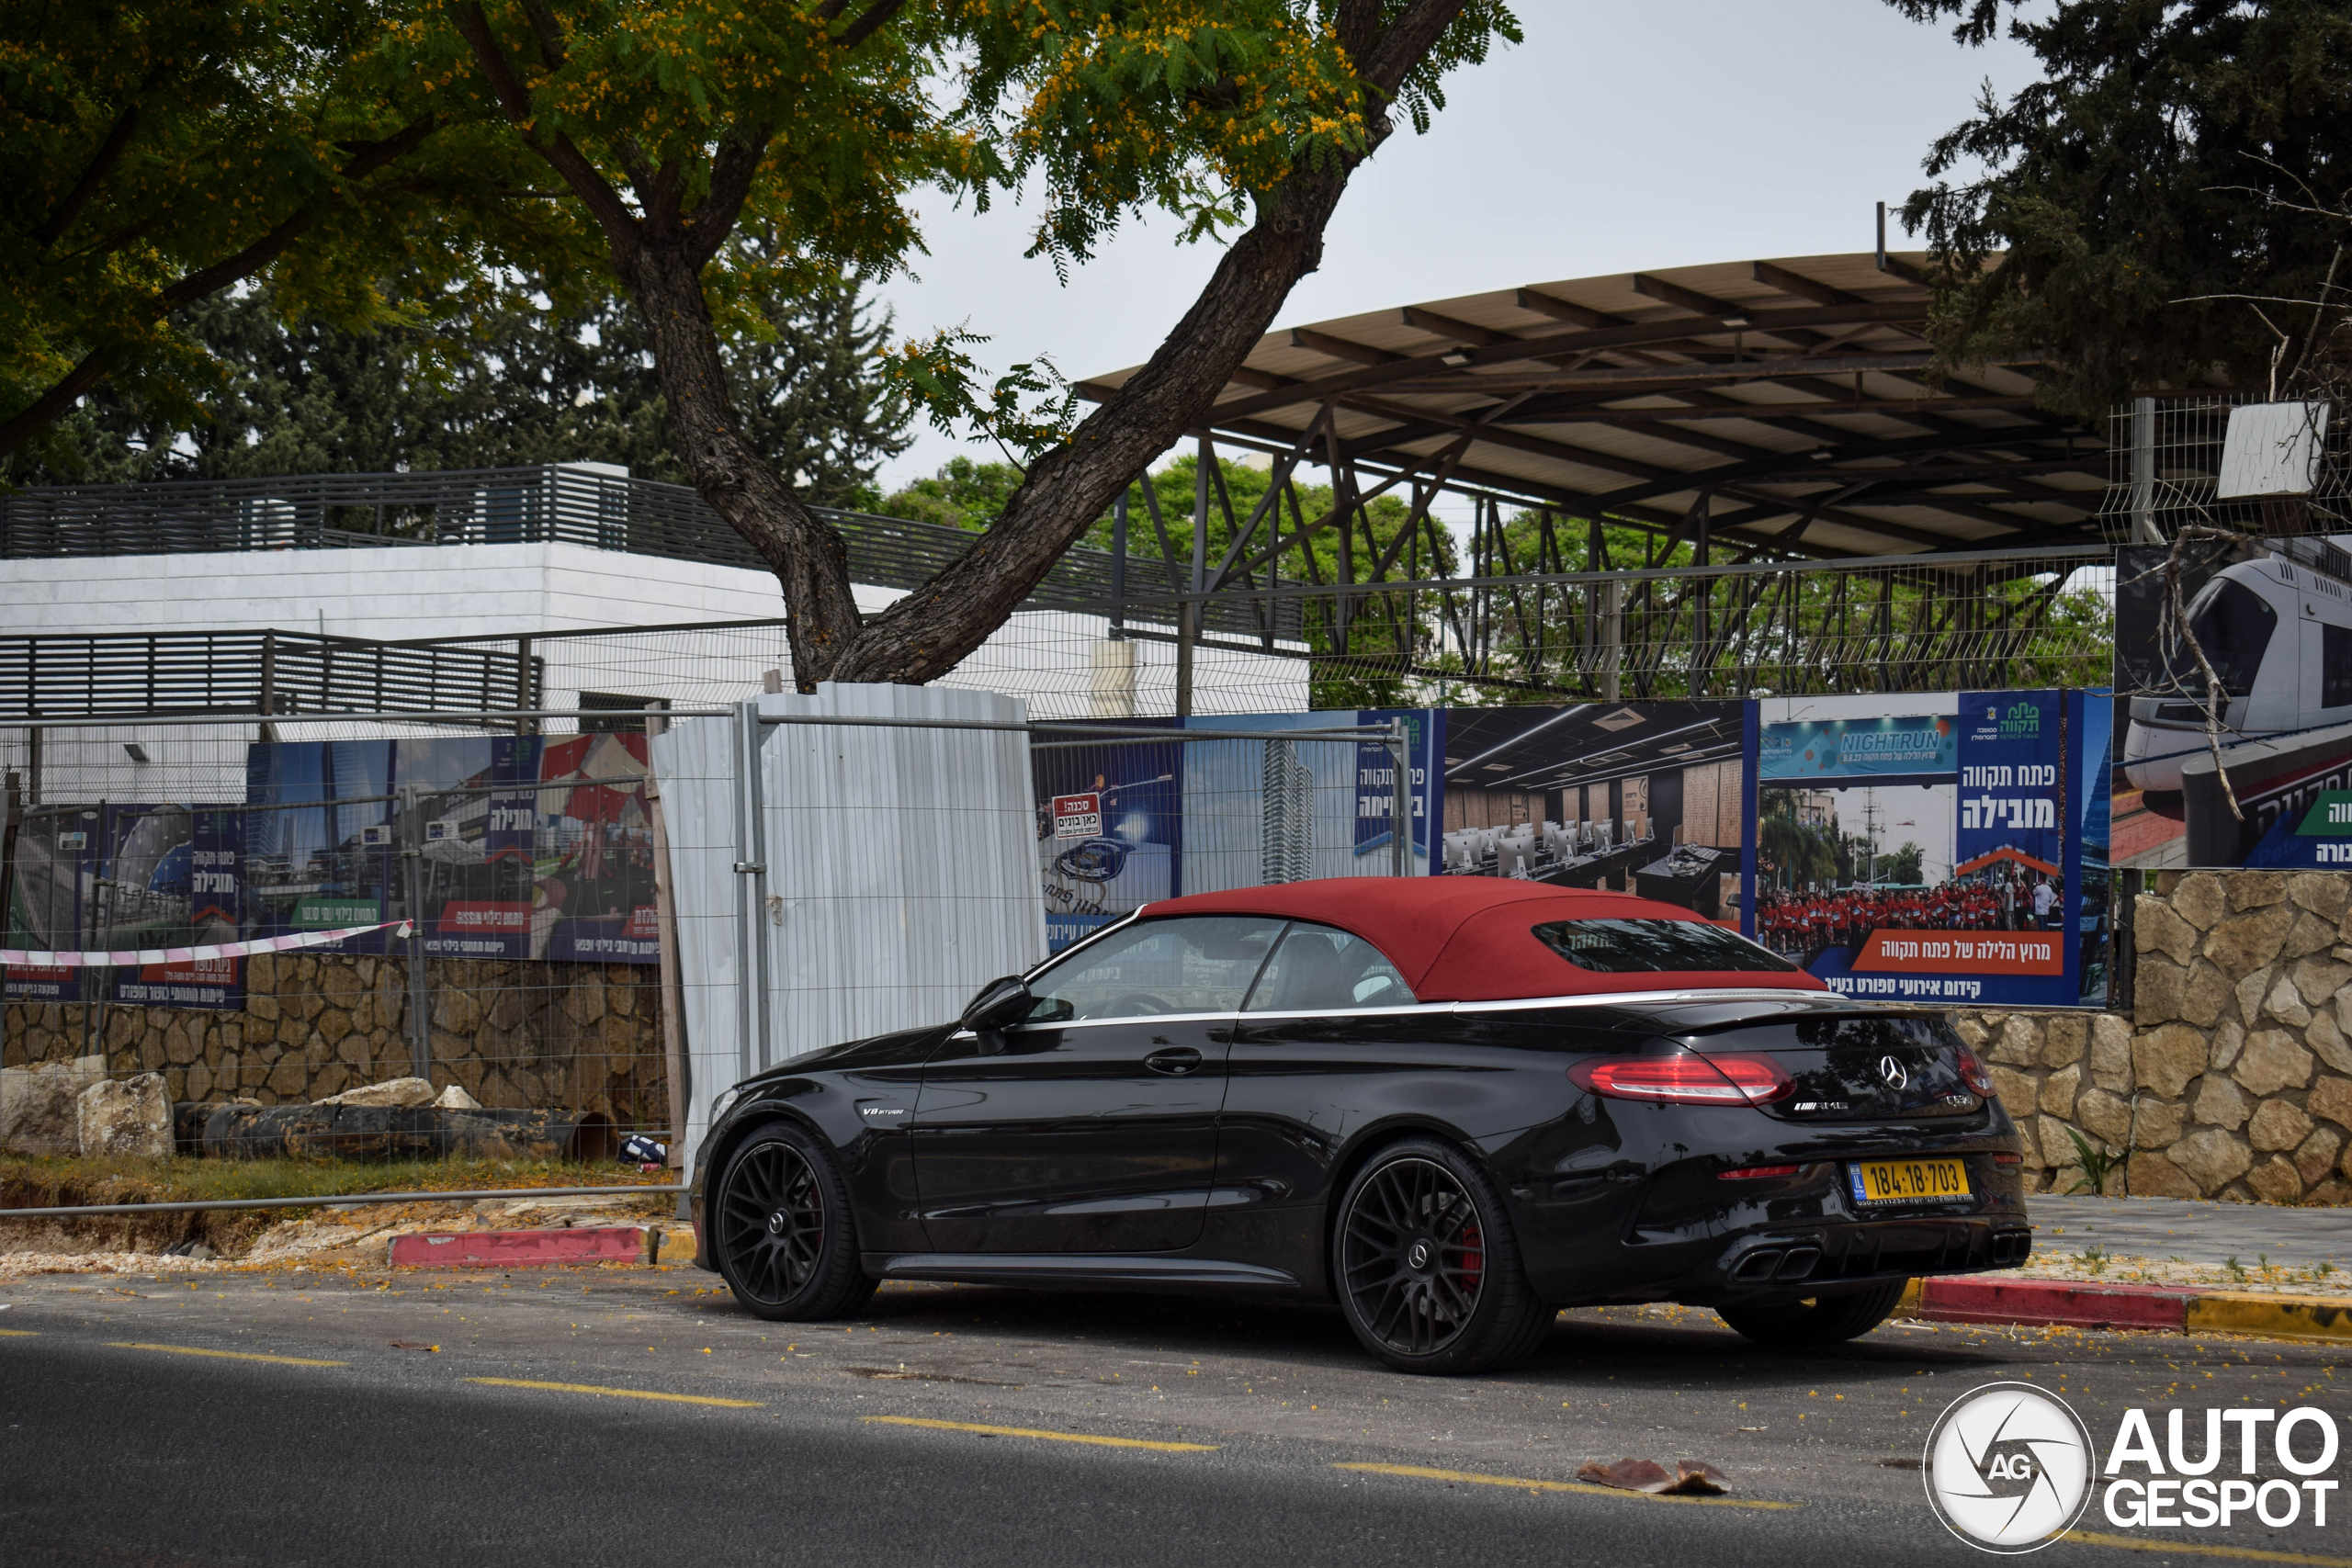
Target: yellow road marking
pixel 622 1392
pixel 1420 1472
pixel 19 1333
pixel 223 1355
pixel 2198 1549
pixel 1051 1437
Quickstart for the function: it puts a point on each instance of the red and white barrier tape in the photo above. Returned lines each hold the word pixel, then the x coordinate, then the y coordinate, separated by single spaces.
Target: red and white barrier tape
pixel 137 956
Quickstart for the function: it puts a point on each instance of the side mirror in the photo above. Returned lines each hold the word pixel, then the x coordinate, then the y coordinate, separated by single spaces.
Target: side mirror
pixel 1000 1004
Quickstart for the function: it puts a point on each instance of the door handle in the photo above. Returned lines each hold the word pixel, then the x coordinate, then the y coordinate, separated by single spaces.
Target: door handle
pixel 1176 1061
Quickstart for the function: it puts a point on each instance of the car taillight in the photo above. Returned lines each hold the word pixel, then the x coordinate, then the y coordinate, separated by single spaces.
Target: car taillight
pixel 2009 1159
pixel 1756 1172
pixel 1686 1079
pixel 1972 1074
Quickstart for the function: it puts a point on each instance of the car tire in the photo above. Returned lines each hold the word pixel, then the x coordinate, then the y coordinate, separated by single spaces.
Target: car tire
pixel 1796 1324
pixel 783 1231
pixel 1426 1267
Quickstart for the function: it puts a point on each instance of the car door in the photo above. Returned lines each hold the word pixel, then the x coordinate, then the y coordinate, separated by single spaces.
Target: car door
pixel 1330 1034
pixel 1091 1127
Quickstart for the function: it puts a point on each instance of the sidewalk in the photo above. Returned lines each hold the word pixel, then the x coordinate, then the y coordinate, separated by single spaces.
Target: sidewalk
pixel 2164 1265
pixel 2179 1241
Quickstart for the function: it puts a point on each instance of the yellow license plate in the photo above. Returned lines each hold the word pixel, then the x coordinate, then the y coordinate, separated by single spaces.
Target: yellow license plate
pixel 1908 1180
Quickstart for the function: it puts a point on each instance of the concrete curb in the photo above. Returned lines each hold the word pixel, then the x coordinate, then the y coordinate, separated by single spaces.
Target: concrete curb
pixel 522 1249
pixel 2165 1309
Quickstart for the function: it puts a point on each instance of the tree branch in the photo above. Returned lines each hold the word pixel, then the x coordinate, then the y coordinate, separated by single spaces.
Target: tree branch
pixel 96 365
pixel 930 631
pixel 52 405
pixel 732 174
pixel 867 24
pixel 109 155
pixel 604 203
pixel 549 31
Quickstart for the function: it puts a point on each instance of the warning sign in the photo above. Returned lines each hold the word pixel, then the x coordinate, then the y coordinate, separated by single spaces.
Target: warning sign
pixel 1078 816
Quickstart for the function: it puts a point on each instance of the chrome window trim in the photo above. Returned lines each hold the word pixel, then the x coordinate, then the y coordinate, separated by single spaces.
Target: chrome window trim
pixel 1351 1012
pixel 1123 1018
pixel 1081 945
pixel 1614 998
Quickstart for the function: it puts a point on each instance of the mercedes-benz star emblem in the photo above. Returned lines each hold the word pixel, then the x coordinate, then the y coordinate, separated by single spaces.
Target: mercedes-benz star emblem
pixel 1892 1071
pixel 2008 1468
pixel 1419 1257
pixel 777 1223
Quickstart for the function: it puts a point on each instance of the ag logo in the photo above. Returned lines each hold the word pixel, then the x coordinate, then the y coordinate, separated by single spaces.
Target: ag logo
pixel 2008 1468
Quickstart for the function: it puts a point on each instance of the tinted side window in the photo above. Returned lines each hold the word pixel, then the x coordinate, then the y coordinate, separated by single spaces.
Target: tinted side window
pixel 2336 666
pixel 1191 964
pixel 1619 947
pixel 1318 968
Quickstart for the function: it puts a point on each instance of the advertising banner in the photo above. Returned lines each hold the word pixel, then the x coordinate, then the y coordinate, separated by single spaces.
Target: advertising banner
pixel 591 892
pixel 2268 621
pixel 174 882
pixel 527 847
pixel 1931 852
pixel 1888 746
pixel 1376 780
pixel 55 869
pixel 1634 797
pixel 1109 831
pixel 127 876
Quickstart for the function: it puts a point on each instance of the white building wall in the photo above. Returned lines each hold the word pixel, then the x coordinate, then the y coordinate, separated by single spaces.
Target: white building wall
pixel 505 591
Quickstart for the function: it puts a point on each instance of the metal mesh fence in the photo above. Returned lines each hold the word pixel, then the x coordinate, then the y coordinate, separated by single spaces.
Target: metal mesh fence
pixel 542 986
pixel 2165 460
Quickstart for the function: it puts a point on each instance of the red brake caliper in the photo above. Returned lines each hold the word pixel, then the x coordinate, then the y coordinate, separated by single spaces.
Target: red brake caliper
pixel 1474 1258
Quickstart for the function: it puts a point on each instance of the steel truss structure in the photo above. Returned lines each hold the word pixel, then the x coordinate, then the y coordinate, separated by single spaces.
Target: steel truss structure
pixel 1692 483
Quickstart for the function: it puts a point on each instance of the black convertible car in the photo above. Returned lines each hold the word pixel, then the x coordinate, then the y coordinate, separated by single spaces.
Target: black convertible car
pixel 1453 1104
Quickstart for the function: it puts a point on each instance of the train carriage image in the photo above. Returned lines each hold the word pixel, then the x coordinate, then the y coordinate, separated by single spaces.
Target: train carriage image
pixel 2276 630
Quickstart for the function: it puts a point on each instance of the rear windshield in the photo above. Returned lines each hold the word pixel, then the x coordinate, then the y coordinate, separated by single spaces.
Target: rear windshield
pixel 1620 947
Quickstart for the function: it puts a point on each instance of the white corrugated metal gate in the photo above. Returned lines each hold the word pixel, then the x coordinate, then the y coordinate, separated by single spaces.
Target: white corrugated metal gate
pixel 866 859
pixel 837 880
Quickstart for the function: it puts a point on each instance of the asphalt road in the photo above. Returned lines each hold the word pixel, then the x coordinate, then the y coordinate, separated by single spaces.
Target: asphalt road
pixel 278 1420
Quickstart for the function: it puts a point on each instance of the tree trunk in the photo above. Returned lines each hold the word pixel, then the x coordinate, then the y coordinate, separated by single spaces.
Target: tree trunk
pixel 927 633
pixel 804 552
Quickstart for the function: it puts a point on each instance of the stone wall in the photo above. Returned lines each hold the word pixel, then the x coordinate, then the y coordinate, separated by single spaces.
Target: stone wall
pixel 2233 1077
pixel 517 1035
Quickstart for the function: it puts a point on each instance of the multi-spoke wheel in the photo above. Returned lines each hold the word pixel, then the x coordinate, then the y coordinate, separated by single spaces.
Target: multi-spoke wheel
pixel 1425 1267
pixel 782 1229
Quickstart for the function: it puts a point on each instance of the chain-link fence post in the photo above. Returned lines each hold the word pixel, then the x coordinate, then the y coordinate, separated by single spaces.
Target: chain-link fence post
pixel 420 1023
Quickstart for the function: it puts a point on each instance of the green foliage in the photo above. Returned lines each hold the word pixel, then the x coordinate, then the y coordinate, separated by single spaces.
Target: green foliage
pixel 2098 1161
pixel 505 385
pixel 1792 853
pixel 1903 868
pixel 2154 170
pixel 158 151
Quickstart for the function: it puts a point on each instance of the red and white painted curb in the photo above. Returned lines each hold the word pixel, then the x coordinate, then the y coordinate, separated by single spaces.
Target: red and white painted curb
pixel 524 1249
pixel 2163 1309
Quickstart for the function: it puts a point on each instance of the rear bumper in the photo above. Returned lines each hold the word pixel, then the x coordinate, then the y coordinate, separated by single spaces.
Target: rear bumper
pixel 1861 1252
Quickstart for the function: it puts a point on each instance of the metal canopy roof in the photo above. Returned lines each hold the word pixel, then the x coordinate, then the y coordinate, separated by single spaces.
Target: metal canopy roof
pixel 1781 404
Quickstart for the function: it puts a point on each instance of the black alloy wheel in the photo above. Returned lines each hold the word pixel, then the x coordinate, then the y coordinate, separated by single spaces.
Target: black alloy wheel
pixel 785 1241
pixel 1426 1268
pixel 1794 1322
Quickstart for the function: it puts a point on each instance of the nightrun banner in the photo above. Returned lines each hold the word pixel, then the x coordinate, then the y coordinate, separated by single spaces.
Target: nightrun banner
pixel 1931 848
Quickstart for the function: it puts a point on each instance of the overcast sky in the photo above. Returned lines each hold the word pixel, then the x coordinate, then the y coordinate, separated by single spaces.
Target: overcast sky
pixel 1618 137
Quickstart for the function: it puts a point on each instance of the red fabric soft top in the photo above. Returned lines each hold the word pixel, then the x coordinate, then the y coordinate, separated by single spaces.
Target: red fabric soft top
pixel 1471 939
